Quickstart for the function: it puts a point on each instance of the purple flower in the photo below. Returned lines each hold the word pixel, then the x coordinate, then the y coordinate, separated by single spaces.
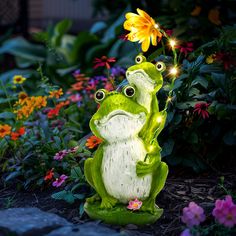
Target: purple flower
pixel 59 181
pixel 117 71
pixel 193 215
pixel 73 150
pixel 225 212
pixel 100 78
pixel 60 155
pixel 186 232
pixel 77 72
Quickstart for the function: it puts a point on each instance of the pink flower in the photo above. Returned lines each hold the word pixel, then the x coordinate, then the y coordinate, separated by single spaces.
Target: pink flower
pixel 75 97
pixel 134 205
pixel 60 155
pixel 186 232
pixel 225 212
pixel 59 181
pixel 169 32
pixel 201 109
pixel 103 62
pixel 193 215
pixel 185 48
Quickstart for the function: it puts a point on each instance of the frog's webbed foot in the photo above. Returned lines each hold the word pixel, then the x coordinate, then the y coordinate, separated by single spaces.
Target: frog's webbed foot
pixel 108 202
pixel 149 205
pixel 93 199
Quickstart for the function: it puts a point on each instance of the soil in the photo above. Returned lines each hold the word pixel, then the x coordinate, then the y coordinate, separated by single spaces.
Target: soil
pixel 180 189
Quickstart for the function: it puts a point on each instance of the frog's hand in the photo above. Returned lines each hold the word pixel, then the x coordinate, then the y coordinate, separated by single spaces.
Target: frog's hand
pixel 156 125
pixel 107 200
pixel 149 166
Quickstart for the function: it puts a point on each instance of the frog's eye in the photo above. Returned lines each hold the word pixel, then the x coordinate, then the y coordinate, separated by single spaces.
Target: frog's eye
pixel 160 66
pixel 140 58
pixel 99 95
pixel 129 91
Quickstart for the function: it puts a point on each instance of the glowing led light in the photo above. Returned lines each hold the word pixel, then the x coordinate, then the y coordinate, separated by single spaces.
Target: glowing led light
pixel 156 26
pixel 173 71
pixel 150 148
pixel 159 119
pixel 172 42
pixel 169 99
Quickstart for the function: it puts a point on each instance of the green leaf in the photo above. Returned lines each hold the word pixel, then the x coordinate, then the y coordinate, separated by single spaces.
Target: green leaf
pixel 167 148
pixel 22 48
pixel 60 29
pixel 230 138
pixel 64 195
pixel 98 26
pixel 200 80
pixel 155 54
pixel 79 196
pixel 111 31
pixel 7 115
pixel 76 173
pixel 219 79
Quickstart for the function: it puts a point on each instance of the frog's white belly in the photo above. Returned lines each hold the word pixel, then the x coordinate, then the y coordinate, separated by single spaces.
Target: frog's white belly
pixel 119 170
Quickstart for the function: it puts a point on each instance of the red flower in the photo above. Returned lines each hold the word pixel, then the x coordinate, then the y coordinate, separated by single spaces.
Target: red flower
pixel 185 48
pixel 103 62
pixel 17 134
pixel 49 175
pixel 169 32
pixel 201 109
pixel 226 59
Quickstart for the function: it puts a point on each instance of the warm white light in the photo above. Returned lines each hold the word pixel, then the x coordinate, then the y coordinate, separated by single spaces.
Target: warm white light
pixel 156 26
pixel 172 42
pixel 150 148
pixel 173 71
pixel 169 99
pixel 159 119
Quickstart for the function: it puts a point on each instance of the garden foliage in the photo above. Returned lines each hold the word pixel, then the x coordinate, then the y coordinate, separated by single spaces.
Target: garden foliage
pixel 55 101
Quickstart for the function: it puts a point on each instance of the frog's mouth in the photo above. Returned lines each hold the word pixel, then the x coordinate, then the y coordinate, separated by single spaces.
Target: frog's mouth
pixel 121 113
pixel 140 75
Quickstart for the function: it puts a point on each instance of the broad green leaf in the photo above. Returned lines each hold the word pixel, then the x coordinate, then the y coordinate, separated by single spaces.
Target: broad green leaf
pixel 7 115
pixel 98 26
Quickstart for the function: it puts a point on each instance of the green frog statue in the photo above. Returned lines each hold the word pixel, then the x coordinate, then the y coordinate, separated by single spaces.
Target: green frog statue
pixel 127 165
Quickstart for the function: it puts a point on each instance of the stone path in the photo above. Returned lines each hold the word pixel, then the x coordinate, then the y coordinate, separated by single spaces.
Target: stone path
pixel 34 222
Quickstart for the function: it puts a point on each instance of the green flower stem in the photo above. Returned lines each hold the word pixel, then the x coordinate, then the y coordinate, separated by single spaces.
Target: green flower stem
pixel 7 96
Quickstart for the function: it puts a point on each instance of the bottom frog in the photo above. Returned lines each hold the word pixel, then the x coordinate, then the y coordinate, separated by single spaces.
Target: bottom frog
pixel 123 168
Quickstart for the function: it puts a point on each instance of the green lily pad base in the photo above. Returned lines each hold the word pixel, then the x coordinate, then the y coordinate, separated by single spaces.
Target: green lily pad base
pixel 120 215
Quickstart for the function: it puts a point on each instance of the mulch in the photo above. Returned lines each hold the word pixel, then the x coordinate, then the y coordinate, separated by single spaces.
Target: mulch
pixel 181 188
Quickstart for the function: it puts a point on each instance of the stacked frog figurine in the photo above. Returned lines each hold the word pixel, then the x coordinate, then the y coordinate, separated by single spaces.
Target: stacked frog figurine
pixel 127 164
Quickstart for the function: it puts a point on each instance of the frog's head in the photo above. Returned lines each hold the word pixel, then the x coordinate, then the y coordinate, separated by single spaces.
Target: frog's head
pixel 119 116
pixel 145 75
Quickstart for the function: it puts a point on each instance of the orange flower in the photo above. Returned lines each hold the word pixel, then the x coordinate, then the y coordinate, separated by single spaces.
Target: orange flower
pixel 142 28
pixel 214 16
pixel 4 130
pixel 196 11
pixel 56 94
pixel 49 174
pixel 92 142
pixel 21 131
pixel 55 112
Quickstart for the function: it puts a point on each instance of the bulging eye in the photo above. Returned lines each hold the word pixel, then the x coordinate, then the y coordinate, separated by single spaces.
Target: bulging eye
pixel 129 91
pixel 160 66
pixel 99 96
pixel 140 58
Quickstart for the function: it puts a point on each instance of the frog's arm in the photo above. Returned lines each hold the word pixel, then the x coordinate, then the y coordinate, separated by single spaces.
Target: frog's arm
pixel 156 124
pixel 107 200
pixel 151 162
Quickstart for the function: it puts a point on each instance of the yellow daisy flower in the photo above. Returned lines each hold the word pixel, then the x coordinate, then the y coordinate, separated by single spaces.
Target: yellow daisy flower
pixel 142 28
pixel 18 79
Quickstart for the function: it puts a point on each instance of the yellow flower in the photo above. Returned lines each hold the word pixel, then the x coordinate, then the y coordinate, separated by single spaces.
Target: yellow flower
pixel 55 93
pixel 18 79
pixel 142 28
pixel 210 59
pixel 4 130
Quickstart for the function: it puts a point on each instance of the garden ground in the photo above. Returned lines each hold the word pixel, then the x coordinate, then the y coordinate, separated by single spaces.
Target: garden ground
pixel 180 189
